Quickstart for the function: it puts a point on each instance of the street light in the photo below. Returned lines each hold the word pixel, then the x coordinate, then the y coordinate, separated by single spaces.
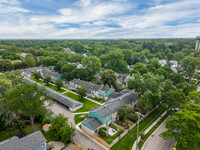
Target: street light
pixel 139 114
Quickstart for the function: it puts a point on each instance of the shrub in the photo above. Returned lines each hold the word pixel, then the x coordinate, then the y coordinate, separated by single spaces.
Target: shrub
pixel 101 131
pixel 109 141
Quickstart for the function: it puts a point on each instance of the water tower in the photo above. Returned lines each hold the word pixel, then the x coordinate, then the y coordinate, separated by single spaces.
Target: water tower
pixel 198 43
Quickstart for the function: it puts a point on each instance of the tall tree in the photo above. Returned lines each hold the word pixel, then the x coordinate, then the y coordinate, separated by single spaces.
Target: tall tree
pixel 189 65
pixel 92 64
pixel 29 99
pixel 66 71
pixel 37 75
pixel 58 83
pixel 108 77
pixel 184 126
pixel 81 91
pixel 61 129
pixel 47 79
pixel 149 86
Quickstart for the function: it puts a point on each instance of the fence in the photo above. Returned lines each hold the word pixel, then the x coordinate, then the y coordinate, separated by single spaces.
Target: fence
pixel 131 127
pixel 123 134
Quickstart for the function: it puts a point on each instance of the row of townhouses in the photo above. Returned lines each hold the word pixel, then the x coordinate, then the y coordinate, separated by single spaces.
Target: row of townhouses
pixel 93 90
pixel 45 71
pixel 103 115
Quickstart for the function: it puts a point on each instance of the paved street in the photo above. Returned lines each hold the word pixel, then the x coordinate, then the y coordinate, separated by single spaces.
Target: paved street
pixel 155 142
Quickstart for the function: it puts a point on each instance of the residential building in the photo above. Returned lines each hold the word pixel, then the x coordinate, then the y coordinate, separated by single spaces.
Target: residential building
pixel 54 75
pixel 28 71
pixel 93 90
pixel 103 115
pixel 33 141
pixel 22 54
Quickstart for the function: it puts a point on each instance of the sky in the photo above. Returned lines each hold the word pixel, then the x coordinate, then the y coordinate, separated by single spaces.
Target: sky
pixel 99 19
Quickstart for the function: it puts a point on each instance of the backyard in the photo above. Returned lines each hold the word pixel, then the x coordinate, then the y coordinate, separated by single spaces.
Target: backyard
pixel 79 117
pixel 15 131
pixel 87 104
pixel 130 137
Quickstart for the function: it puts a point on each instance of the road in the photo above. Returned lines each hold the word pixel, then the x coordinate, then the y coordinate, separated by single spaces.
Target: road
pixel 155 142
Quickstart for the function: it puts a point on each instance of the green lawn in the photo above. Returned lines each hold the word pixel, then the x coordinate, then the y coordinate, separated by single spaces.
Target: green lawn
pixel 77 118
pixel 15 131
pixel 55 88
pixel 39 81
pixel 8 133
pixel 87 105
pixel 127 141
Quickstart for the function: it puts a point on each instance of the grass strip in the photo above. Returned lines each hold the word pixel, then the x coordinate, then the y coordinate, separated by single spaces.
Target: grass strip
pixel 128 140
pixel 146 136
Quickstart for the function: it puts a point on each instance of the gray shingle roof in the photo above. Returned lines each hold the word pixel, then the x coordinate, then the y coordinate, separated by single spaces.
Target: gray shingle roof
pixel 86 84
pixel 114 105
pixel 96 87
pixel 105 89
pixel 30 69
pixel 32 140
pixel 26 143
pixel 65 100
pixel 94 123
pixel 122 77
pixel 114 95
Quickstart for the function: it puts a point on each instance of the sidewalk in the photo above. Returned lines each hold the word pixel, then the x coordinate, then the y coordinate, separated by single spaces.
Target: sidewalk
pixel 149 128
pixel 81 113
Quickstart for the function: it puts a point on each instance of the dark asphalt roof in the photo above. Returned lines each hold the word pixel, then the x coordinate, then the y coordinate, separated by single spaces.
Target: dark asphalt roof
pixel 122 77
pixel 26 143
pixel 114 95
pixel 86 84
pixel 65 100
pixel 105 89
pixel 114 105
pixel 94 123
pixel 47 71
pixel 30 69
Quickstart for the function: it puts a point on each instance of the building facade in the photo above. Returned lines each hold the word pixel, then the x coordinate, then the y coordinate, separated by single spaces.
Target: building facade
pixel 198 43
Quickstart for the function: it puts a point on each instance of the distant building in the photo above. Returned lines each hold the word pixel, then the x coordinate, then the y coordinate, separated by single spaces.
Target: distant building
pixel 198 43
pixel 33 141
pixel 16 61
pixel 68 50
pixel 22 54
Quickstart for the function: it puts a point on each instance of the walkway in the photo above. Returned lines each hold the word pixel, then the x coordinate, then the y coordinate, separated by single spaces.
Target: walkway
pixel 155 142
pixel 148 129
pixel 81 113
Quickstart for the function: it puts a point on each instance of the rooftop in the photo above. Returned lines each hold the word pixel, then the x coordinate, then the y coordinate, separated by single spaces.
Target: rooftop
pixel 65 100
pixel 198 37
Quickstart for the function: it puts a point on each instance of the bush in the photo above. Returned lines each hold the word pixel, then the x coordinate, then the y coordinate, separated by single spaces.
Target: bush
pixel 109 141
pixel 101 131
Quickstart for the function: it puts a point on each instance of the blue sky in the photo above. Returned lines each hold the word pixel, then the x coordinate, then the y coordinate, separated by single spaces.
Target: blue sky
pixel 91 19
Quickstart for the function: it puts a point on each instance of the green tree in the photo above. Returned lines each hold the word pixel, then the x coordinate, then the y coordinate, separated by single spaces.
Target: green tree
pixel 47 79
pixel 80 73
pixel 81 91
pixel 66 71
pixel 194 97
pixel 109 78
pixel 37 75
pixel 5 65
pixel 127 113
pixel 61 129
pixel 30 60
pixel 92 64
pixel 174 98
pixel 149 86
pixel 178 56
pixel 177 78
pixel 59 83
pixel 162 72
pixel 128 56
pixel 116 62
pixel 29 99
pixel 189 65
pixel 184 126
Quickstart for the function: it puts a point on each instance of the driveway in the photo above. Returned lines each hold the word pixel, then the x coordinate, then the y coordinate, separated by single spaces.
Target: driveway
pixel 155 142
pixel 58 108
pixel 86 142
